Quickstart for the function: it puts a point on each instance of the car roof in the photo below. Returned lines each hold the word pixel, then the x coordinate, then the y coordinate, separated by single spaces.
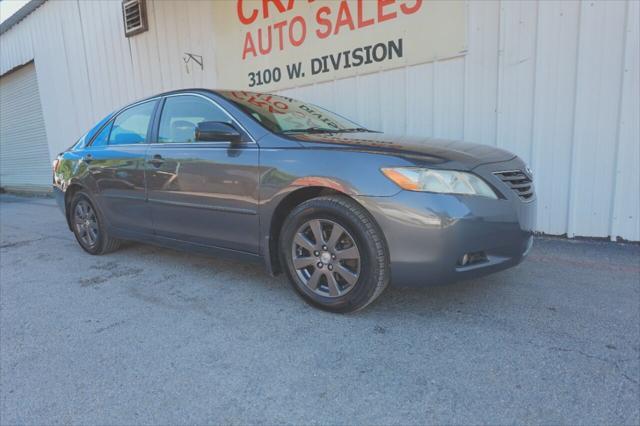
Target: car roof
pixel 219 92
pixel 173 92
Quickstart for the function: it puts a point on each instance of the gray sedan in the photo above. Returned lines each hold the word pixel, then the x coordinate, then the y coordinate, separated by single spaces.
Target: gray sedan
pixel 341 209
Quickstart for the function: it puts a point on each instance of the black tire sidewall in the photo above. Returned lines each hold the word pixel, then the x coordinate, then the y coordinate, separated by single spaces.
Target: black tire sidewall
pixel 97 248
pixel 367 283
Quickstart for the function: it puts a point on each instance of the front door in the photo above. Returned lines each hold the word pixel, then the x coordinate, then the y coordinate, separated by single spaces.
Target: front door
pixel 116 162
pixel 202 192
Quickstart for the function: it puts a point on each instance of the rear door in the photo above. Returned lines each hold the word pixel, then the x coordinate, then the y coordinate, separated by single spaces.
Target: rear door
pixel 202 192
pixel 116 161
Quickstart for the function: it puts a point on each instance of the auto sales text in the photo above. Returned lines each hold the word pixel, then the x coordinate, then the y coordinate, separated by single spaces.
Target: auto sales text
pixel 271 27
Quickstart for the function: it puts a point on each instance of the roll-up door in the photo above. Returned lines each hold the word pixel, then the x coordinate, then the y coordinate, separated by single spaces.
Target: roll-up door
pixel 24 154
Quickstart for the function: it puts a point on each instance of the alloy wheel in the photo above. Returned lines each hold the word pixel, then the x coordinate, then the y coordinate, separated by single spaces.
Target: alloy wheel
pixel 326 258
pixel 86 223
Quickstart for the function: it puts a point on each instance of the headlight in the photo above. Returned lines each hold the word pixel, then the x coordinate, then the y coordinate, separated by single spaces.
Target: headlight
pixel 441 181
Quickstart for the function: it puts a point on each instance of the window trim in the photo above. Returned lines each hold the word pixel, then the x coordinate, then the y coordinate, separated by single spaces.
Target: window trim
pixel 156 130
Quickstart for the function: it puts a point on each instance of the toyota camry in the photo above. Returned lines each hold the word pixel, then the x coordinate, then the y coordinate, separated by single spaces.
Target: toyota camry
pixel 342 210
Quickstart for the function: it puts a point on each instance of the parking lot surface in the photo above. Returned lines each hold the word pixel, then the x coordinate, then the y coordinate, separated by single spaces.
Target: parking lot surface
pixel 154 336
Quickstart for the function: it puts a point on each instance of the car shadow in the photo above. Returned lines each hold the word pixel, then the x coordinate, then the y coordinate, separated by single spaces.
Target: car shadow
pixel 253 282
pixel 432 299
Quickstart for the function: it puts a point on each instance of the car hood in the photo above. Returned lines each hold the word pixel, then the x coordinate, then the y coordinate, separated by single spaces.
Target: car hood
pixel 424 150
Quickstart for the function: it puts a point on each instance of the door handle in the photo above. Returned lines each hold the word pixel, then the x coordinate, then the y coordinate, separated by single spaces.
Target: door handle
pixel 156 161
pixel 87 158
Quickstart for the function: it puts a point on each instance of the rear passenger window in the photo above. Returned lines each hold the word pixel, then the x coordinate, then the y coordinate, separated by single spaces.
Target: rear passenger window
pixel 181 115
pixel 131 126
pixel 102 138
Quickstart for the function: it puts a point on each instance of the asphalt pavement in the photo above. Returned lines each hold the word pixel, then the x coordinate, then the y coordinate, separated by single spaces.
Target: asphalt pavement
pixel 148 335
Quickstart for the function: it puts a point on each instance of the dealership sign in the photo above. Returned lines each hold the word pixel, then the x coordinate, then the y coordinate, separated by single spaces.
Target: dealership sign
pixel 274 44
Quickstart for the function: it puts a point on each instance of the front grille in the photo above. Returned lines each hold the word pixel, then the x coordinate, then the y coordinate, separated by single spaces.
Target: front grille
pixel 519 182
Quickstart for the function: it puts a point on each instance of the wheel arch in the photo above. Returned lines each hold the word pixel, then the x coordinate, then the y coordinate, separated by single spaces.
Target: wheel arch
pixel 70 191
pixel 282 210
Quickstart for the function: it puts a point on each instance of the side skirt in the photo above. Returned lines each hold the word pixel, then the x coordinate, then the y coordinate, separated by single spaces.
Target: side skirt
pixel 185 245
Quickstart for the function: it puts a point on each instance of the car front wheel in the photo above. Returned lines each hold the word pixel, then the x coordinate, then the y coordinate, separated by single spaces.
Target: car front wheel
pixel 334 254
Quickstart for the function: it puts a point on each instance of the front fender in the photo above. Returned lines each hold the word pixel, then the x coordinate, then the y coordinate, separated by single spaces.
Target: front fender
pixel 284 170
pixel 351 172
pixel 306 172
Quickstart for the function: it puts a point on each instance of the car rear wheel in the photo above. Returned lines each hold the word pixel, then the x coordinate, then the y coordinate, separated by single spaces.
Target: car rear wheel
pixel 88 227
pixel 334 254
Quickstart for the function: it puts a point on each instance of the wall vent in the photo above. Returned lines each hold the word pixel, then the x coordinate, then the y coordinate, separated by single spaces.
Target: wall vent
pixel 134 16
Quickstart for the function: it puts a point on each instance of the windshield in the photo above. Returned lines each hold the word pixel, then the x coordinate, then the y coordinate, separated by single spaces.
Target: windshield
pixel 286 115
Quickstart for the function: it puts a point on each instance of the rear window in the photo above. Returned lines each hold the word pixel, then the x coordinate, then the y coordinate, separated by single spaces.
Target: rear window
pixel 132 125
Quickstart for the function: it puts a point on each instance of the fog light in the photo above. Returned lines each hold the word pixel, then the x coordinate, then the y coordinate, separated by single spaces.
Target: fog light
pixel 473 258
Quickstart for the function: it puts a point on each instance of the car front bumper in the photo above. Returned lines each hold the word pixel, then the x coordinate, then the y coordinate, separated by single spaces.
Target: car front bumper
pixel 428 234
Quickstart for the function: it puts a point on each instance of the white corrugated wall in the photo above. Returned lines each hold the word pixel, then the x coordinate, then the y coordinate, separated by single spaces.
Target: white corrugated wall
pixel 554 81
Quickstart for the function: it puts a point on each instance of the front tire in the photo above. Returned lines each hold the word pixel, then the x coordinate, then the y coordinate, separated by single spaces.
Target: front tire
pixel 88 226
pixel 334 254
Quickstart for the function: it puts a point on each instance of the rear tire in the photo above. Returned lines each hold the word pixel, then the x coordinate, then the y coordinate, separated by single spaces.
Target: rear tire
pixel 334 254
pixel 88 226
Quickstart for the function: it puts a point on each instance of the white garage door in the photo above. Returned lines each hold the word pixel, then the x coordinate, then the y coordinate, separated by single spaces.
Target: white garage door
pixel 24 153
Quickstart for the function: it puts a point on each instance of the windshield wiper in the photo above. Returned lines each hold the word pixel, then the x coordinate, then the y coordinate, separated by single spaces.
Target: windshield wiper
pixel 357 130
pixel 310 130
pixel 325 130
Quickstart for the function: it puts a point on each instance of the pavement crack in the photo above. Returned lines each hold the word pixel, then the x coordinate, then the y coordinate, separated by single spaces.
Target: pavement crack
pixel 110 326
pixel 21 243
pixel 559 349
pixel 613 363
pixel 114 273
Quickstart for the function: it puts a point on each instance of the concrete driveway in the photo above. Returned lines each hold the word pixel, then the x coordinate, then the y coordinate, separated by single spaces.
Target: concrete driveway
pixel 150 335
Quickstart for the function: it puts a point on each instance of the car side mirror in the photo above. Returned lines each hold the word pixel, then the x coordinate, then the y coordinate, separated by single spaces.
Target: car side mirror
pixel 217 131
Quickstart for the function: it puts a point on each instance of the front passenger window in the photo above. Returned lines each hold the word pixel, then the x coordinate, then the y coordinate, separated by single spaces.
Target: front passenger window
pixel 181 115
pixel 132 125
